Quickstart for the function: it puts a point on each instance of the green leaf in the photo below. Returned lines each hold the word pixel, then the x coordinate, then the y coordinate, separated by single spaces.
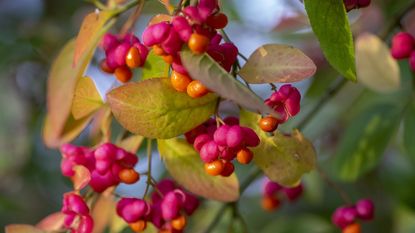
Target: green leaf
pixel 284 159
pixel 277 63
pixel 329 22
pixel 155 67
pixel 215 78
pixel 409 131
pixel 186 167
pixel 364 141
pixel 86 99
pixel 376 68
pixel 154 109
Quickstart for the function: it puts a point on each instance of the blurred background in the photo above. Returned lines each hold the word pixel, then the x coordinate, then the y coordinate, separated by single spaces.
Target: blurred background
pixel 33 31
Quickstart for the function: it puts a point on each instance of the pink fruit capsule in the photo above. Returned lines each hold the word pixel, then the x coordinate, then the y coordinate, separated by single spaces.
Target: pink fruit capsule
pixel 228 154
pixel 294 192
pixel 182 27
pixel 106 151
pixel 402 45
pixel 363 3
pixel 200 141
pixel 134 211
pixel 156 33
pixel 86 224
pixel 365 209
pixel 235 137
pixel 220 135
pixel 271 188
pixel 171 205
pixel 412 61
pixel 250 137
pixel 121 52
pixel 130 38
pixel 109 41
pixel 209 152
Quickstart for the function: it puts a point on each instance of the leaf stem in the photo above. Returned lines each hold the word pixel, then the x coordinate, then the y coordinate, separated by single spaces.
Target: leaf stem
pixel 149 159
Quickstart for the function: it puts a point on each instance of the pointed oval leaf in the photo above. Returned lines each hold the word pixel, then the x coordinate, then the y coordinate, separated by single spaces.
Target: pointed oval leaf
pixel 103 212
pixel 131 143
pixel 376 68
pixel 52 222
pixel 409 131
pixel 81 178
pixel 22 228
pixel 86 99
pixel 284 159
pixel 213 76
pixel 155 67
pixel 277 63
pixel 186 167
pixel 154 109
pixel 364 141
pixel 86 39
pixel 330 24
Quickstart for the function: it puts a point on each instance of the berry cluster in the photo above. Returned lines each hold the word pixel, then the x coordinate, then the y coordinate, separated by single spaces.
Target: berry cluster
pixel 353 4
pixel 167 209
pixel 286 102
pixel 122 54
pixel 77 216
pixel 197 27
pixel 108 164
pixel 345 217
pixel 403 46
pixel 219 145
pixel 272 191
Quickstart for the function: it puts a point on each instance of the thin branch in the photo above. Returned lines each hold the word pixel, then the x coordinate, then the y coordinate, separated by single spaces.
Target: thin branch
pixel 129 24
pixel 149 159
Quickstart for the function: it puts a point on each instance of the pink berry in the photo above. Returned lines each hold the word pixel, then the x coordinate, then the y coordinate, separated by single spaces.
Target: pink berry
pixel 109 41
pixel 209 152
pixel 271 188
pixel 235 137
pixel 365 209
pixel 102 166
pixel 130 38
pixel 344 216
pixel 228 154
pixel 132 209
pixel 294 192
pixel 106 151
pixel 191 203
pixel 200 141
pixel 171 205
pixel 250 137
pixel 220 135
pixel 156 33
pixel 86 224
pixel 350 4
pixel 402 45
pixel 121 52
pixel 182 27
pixel 231 120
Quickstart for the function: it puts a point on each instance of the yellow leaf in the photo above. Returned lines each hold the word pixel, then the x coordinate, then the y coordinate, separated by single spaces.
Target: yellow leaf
pixel 376 68
pixel 22 228
pixel 103 211
pixel 90 28
pixel 86 99
pixel 131 143
pixel 81 178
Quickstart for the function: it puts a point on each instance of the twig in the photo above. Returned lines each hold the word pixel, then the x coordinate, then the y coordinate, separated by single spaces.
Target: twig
pixel 129 24
pixel 149 158
pixel 333 185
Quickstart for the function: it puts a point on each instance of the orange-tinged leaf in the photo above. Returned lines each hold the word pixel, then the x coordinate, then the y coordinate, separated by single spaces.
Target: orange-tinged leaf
pixel 86 99
pixel 72 128
pixel 101 125
pixel 86 39
pixel 81 178
pixel 131 143
pixel 159 18
pixel 277 63
pixel 102 213
pixel 22 228
pixel 186 167
pixel 52 222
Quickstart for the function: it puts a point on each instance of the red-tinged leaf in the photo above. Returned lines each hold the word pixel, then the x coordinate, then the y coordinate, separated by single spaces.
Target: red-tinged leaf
pixel 154 109
pixel 131 143
pixel 22 228
pixel 277 63
pixel 101 126
pixel 103 212
pixel 52 222
pixel 81 178
pixel 186 167
pixel 86 99
pixel 215 78
pixel 87 36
